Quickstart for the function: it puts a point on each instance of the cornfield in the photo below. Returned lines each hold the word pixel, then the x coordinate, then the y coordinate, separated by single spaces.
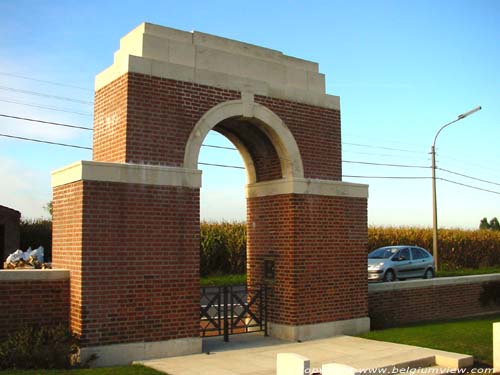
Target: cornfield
pixel 458 248
pixel 223 246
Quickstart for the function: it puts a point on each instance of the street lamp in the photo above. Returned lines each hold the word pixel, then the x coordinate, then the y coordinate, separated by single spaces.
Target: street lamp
pixel 434 199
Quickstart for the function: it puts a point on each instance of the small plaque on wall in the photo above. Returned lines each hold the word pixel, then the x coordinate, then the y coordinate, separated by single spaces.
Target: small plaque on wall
pixel 269 271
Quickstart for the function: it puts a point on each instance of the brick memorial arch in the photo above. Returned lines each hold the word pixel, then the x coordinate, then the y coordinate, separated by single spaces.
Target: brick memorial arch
pixel 126 224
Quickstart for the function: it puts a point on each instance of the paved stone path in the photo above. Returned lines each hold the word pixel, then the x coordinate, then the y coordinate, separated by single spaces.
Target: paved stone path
pixel 254 354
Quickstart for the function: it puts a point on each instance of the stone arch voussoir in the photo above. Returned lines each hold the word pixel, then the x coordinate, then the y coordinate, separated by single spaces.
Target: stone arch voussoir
pixel 267 121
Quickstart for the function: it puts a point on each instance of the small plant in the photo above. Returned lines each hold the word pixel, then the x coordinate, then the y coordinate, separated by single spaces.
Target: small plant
pixel 39 348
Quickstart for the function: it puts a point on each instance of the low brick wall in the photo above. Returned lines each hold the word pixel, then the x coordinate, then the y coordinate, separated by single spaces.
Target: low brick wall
pixel 400 303
pixel 29 297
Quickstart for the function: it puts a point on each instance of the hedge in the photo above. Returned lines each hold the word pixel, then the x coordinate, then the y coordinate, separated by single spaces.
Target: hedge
pixel 36 232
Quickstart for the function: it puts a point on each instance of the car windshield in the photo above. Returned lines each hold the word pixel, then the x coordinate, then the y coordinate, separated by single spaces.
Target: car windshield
pixel 382 253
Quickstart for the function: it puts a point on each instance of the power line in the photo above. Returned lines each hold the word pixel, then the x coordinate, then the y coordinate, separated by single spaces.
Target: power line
pixel 45 95
pixel 383 139
pixel 42 141
pixel 34 105
pixel 469 186
pixel 222 165
pixel 345 143
pixel 466 176
pixel 45 122
pixel 381 147
pixel 45 81
pixel 238 167
pixel 390 177
pixel 384 164
pixel 222 147
pixel 463 162
pixel 382 155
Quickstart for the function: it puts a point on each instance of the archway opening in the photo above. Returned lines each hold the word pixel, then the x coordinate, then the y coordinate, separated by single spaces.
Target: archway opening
pixel 233 146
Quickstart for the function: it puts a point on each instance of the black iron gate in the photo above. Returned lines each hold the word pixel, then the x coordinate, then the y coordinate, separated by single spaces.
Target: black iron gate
pixel 230 310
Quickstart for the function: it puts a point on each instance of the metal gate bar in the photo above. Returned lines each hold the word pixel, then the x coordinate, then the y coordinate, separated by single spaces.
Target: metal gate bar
pixel 231 310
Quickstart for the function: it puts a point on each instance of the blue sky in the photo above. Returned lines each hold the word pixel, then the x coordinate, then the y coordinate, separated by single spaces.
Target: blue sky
pixel 401 68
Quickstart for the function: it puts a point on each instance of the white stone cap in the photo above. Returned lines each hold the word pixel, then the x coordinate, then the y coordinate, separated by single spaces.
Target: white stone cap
pixel 219 62
pixel 33 275
pixel 496 347
pixel 307 186
pixel 126 173
pixel 292 364
pixel 438 281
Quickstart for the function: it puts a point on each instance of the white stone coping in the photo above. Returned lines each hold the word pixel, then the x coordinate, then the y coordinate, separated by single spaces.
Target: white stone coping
pixel 126 173
pixel 307 186
pixel 219 62
pixel 135 352
pixel 438 281
pixel 33 275
pixel 354 326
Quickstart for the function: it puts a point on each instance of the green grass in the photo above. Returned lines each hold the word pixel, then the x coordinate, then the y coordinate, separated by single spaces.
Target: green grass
pixel 221 280
pixel 466 336
pixel 118 370
pixel 468 271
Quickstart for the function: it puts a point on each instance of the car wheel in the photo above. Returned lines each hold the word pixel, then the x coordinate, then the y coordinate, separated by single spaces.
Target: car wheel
pixel 389 276
pixel 429 274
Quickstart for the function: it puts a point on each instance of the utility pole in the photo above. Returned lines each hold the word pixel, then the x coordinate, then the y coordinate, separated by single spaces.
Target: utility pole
pixel 435 235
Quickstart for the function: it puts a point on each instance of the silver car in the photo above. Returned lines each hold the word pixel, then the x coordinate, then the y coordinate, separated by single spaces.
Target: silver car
pixel 392 263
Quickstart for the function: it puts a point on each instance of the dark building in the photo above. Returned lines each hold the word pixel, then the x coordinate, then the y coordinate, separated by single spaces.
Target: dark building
pixel 9 232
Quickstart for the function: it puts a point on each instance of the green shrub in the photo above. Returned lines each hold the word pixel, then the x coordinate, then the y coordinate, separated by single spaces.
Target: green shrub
pixel 490 295
pixel 36 232
pixel 38 348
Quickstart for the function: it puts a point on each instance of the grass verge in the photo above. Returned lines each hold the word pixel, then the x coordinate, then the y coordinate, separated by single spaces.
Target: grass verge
pixel 468 271
pixel 473 336
pixel 121 370
pixel 222 280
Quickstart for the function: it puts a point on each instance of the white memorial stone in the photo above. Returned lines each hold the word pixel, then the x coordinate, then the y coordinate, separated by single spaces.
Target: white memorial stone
pixel 496 347
pixel 292 364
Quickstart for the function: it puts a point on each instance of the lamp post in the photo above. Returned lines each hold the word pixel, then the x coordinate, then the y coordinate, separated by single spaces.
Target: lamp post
pixel 434 198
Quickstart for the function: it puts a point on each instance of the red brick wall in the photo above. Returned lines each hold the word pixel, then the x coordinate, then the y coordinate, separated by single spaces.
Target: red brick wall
pixel 319 246
pixel 160 116
pixel 426 303
pixel 146 119
pixel 110 121
pixel 32 302
pixel 317 133
pixel 136 268
pixel 67 213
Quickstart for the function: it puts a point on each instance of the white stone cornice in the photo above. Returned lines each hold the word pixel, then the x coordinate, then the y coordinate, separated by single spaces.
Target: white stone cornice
pixel 219 62
pixel 307 186
pixel 126 173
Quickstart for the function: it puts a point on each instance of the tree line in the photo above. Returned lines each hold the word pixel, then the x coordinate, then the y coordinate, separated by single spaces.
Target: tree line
pixel 493 224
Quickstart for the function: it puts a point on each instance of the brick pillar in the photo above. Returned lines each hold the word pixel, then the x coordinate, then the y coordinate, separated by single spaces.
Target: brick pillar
pixel 130 237
pixel 317 239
